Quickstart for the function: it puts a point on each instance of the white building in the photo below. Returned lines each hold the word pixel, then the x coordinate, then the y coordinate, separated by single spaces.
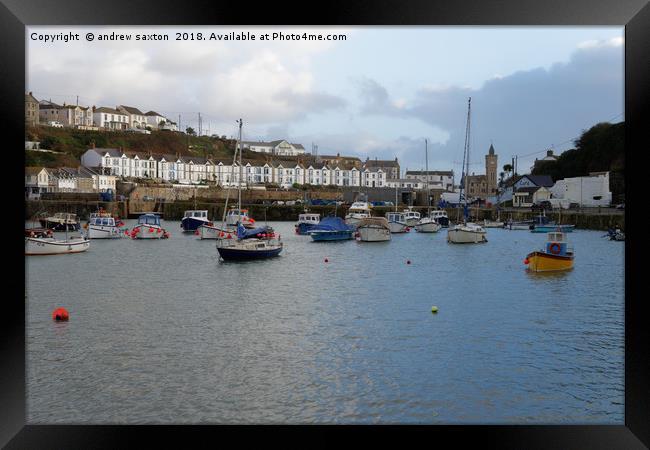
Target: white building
pixel 136 118
pixel 279 147
pixel 586 191
pixel 37 181
pixel 73 116
pixel 110 119
pixel 407 183
pixel 371 177
pixel 437 178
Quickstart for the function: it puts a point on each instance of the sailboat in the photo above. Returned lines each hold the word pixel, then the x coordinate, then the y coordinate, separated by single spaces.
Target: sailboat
pixel 466 232
pixel 43 243
pixel 258 243
pixel 427 224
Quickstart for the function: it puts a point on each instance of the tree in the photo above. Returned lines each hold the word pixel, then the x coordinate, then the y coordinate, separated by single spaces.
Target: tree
pixel 190 131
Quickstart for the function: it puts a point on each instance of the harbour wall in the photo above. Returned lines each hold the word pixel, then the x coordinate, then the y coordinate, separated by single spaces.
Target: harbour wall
pixel 586 219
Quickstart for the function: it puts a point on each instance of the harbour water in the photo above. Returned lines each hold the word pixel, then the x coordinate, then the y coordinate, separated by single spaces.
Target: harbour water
pixel 163 332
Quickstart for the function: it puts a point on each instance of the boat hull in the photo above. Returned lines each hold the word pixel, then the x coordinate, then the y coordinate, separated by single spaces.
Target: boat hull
pixel 491 224
pixel 235 254
pixel 212 232
pixel 192 223
pixel 551 228
pixel 103 232
pixel 149 232
pixel 398 227
pixel 373 234
pixel 51 246
pixel 427 227
pixel 319 236
pixel 544 262
pixel 464 236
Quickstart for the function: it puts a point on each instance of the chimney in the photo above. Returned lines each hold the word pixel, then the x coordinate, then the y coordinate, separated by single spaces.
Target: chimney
pixel 92 144
pixel 30 92
pixel 549 153
pixel 93 108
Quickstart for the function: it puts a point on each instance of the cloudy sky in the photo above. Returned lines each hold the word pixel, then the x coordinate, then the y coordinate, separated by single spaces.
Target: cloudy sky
pixel 378 93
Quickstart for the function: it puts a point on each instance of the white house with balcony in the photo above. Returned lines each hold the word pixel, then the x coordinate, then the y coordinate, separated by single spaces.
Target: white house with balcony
pixel 110 119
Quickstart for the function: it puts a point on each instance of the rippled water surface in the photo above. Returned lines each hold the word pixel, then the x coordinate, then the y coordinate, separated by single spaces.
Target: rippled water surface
pixel 163 332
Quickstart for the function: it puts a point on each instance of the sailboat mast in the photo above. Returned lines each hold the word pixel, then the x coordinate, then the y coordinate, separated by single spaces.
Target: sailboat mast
pixel 426 163
pixel 240 171
pixel 469 118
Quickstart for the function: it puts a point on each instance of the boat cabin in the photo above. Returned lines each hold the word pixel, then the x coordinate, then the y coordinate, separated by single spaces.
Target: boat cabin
pixel 360 207
pixel 309 218
pixel 409 214
pixel 395 217
pixel 199 214
pixel 102 221
pixel 557 244
pixel 149 219
pixel 237 212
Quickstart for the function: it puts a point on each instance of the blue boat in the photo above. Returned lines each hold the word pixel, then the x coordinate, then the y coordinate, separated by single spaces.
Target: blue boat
pixel 551 227
pixel 307 222
pixel 193 219
pixel 331 229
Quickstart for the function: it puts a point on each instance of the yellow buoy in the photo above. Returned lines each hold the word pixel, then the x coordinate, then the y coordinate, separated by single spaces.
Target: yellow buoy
pixel 434 309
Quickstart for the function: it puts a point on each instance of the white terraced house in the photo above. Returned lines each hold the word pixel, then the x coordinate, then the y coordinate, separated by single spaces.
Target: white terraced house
pixel 373 177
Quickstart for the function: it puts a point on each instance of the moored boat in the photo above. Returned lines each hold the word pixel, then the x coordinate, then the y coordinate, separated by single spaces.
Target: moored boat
pixel 411 217
pixel 331 229
pixel 467 233
pixel 52 246
pixel 148 227
pixel 306 222
pixel 193 219
pixel 440 216
pixel 427 225
pixel 61 222
pixel 397 222
pixel 373 229
pixel 102 225
pixel 549 228
pixel 237 215
pixel 357 212
pixel 556 255
pixel 492 224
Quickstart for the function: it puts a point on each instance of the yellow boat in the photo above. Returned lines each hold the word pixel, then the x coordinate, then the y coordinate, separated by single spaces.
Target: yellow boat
pixel 556 256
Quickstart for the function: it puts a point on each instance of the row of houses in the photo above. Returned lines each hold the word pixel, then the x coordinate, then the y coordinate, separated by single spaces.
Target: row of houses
pixel 121 117
pixel 336 171
pixel 39 180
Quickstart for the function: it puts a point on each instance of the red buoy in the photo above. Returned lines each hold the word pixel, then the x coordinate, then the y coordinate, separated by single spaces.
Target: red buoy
pixel 526 261
pixel 60 314
pixel 197 232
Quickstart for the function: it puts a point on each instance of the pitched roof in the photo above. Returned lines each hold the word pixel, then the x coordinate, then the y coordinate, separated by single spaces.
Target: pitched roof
pixel 49 105
pixel 381 163
pixel 528 190
pixel 104 109
pixel 32 170
pixel 30 98
pixel 153 113
pixel 541 180
pixel 132 110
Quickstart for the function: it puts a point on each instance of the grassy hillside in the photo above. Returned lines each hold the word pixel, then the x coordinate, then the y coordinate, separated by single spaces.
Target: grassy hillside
pixel 73 143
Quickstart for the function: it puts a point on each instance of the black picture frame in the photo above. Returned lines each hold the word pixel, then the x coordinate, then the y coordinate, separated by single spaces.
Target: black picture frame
pixel 633 14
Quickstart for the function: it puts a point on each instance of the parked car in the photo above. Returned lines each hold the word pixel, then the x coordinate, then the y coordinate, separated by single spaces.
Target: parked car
pixel 147 198
pixel 55 124
pixel 621 206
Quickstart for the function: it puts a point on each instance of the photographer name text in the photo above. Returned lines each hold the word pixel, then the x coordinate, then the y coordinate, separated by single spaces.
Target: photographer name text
pixel 180 36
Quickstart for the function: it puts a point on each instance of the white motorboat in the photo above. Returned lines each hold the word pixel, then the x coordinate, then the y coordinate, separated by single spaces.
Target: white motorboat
pixel 411 217
pixel 468 233
pixel 306 221
pixel 194 218
pixel 61 222
pixel 427 225
pixel 357 212
pixel 397 222
pixel 52 246
pixel 440 216
pixel 148 227
pixel 102 225
pixel 236 215
pixel 492 224
pixel 373 229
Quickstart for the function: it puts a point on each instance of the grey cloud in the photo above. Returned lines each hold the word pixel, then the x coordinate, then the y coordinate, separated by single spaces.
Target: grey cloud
pixel 313 102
